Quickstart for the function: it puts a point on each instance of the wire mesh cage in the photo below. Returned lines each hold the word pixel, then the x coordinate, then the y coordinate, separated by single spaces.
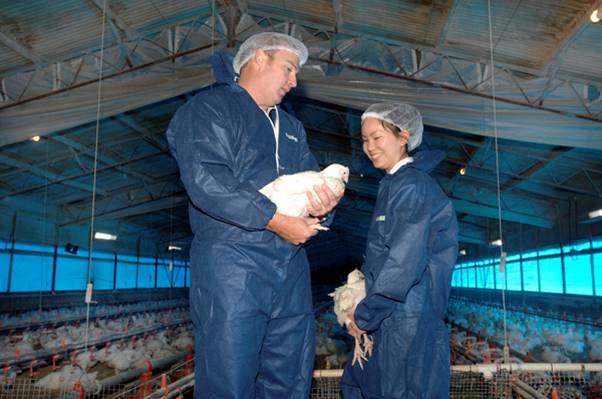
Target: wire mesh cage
pixel 536 380
pixel 500 382
pixel 28 390
pixel 136 385
pixel 326 388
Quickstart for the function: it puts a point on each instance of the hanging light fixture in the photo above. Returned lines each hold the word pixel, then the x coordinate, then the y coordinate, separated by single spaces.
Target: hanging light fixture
pixel 596 15
pixel 104 236
pixel 595 214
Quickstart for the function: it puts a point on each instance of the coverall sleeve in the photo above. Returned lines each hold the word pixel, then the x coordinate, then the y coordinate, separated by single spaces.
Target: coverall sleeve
pixel 405 260
pixel 205 146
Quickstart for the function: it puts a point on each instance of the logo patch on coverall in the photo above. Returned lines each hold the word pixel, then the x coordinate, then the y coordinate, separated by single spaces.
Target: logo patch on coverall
pixel 291 137
pixel 380 218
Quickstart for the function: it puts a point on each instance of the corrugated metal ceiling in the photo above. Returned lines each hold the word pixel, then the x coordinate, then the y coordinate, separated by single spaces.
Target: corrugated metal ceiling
pixel 534 40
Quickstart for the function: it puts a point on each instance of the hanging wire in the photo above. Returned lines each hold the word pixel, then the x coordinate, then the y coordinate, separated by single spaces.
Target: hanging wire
pixel 170 252
pixel 213 36
pixel 213 27
pixel 42 258
pixel 91 238
pixel 497 178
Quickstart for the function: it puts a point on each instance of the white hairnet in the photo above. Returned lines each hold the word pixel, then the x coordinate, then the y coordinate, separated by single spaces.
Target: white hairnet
pixel 402 115
pixel 268 41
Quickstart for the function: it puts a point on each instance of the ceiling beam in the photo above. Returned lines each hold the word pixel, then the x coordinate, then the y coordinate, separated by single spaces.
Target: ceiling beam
pixel 527 178
pixel 261 12
pixel 133 122
pixel 233 10
pixel 53 178
pixel 101 146
pixel 455 89
pixel 56 179
pixel 24 51
pixel 169 58
pixel 123 190
pixel 113 17
pixel 567 36
pixel 446 19
pixel 106 159
pixel 534 168
pixel 491 212
pixel 140 208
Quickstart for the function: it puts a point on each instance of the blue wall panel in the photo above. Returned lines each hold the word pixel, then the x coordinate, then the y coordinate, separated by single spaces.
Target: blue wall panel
pixel 164 275
pixel 513 276
pixel 71 274
pixel 31 273
pixel 4 263
pixel 178 276
pixel 530 276
pixel 102 274
pixel 126 275
pixel 550 270
pixel 146 276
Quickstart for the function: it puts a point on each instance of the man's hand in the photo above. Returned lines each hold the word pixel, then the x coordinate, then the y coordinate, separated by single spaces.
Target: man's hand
pixel 296 230
pixel 323 201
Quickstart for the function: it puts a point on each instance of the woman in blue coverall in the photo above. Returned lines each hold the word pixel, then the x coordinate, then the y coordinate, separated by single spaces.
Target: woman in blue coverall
pixel 410 253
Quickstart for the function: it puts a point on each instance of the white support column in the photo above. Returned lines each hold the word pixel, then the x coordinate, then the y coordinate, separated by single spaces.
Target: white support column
pixel 57 78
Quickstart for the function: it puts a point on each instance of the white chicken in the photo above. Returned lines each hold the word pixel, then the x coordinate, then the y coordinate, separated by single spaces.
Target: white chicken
pixel 346 298
pixel 65 378
pixel 288 192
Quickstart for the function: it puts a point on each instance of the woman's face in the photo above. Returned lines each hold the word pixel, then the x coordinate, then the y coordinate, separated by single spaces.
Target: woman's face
pixel 381 145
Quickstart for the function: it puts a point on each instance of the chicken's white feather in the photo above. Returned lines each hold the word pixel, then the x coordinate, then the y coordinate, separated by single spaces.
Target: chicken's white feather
pixel 288 192
pixel 346 298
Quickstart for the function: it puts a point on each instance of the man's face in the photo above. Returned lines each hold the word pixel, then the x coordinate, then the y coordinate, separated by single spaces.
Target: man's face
pixel 279 75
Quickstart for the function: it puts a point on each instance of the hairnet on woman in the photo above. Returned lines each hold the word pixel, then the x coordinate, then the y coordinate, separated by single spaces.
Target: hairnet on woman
pixel 410 253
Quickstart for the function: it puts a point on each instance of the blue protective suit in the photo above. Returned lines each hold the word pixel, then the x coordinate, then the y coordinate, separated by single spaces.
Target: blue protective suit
pixel 250 294
pixel 410 253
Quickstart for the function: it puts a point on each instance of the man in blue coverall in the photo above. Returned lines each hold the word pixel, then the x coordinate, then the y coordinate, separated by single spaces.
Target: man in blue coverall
pixel 250 294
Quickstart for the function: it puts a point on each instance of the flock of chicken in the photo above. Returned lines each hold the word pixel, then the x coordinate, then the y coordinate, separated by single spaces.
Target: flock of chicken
pixel 475 326
pixel 120 343
pixel 120 357
pixel 63 314
pixel 69 336
pixel 533 337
